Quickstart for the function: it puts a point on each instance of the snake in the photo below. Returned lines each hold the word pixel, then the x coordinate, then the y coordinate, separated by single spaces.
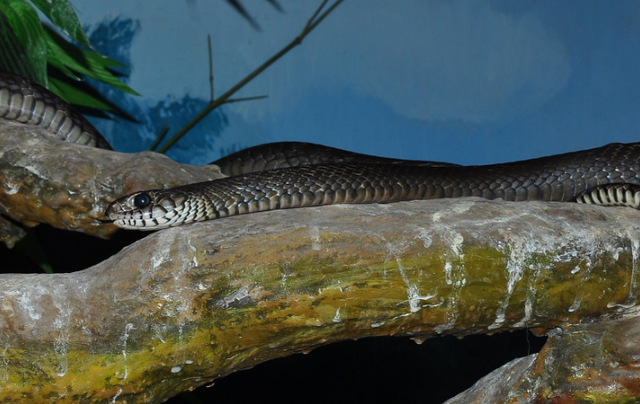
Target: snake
pixel 296 174
pixel 29 103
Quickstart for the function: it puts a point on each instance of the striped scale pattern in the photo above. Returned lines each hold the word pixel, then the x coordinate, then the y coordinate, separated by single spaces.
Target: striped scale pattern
pixel 612 195
pixel 562 177
pixel 28 103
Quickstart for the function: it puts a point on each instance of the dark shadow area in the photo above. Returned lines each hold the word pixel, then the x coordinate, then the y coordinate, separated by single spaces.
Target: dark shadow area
pixel 64 251
pixel 371 370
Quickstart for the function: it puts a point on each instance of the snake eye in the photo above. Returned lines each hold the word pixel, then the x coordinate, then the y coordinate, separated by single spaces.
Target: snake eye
pixel 141 200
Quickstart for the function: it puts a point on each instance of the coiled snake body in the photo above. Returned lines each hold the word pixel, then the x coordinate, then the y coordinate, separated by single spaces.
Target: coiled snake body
pixel 26 102
pixel 292 175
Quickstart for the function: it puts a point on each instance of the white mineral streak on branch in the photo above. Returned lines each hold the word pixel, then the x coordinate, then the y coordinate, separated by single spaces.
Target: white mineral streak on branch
pixel 454 275
pixel 125 337
pixel 28 301
pixel 183 290
pixel 520 251
pixel 158 331
pixel 238 297
pixel 113 400
pixel 34 170
pixel 453 260
pixel 584 275
pixel 315 237
pixel 633 281
pixel 11 188
pixel 454 270
pixel 336 317
pixel 61 323
pixel 425 236
pixel 96 210
pixel 527 252
pixel 413 293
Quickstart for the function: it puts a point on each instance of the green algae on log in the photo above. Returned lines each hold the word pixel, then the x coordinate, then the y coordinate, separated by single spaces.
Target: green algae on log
pixel 185 306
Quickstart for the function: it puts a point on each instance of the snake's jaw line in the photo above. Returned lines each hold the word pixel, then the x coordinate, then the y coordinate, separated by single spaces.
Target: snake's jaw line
pixel 162 210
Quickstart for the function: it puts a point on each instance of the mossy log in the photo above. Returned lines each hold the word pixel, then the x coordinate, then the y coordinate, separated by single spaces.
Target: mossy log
pixel 187 305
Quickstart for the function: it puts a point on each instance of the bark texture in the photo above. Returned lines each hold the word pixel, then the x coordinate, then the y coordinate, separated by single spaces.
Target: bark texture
pixel 187 305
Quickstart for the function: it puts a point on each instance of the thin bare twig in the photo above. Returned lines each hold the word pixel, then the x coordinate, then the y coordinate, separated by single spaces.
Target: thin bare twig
pixel 161 135
pixel 313 17
pixel 210 67
pixel 232 100
pixel 213 105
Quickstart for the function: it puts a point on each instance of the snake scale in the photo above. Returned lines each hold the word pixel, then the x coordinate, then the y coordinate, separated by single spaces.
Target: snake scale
pixel 293 174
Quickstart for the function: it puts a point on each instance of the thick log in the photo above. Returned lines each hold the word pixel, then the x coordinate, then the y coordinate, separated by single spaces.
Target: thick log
pixel 187 305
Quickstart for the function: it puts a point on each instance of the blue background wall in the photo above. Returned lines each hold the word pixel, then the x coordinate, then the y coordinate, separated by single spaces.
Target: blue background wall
pixel 467 81
pixel 472 82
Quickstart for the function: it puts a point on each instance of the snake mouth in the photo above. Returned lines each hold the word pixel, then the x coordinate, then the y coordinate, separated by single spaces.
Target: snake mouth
pixel 146 210
pixel 114 210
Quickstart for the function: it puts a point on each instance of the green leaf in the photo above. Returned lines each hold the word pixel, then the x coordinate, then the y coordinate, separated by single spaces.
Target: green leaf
pixel 87 63
pixel 13 57
pixel 53 60
pixel 26 46
pixel 43 5
pixel 63 16
pixel 76 96
pixel 97 65
pixel 33 42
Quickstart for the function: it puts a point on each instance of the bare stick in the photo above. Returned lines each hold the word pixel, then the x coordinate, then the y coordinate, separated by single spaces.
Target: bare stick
pixel 313 17
pixel 210 68
pixel 257 97
pixel 161 135
pixel 297 41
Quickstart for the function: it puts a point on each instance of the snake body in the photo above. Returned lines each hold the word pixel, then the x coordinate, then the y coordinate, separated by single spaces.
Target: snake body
pixel 293 175
pixel 564 177
pixel 28 103
pixel 272 156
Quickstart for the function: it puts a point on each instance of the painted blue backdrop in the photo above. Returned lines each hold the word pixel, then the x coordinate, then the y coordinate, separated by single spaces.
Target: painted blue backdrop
pixel 472 82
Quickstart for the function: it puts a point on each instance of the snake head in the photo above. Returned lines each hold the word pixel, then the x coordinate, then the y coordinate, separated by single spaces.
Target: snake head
pixel 146 210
